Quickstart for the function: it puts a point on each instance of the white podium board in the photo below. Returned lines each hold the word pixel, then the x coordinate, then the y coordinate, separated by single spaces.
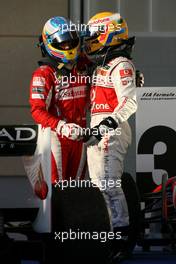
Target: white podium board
pixel 155 136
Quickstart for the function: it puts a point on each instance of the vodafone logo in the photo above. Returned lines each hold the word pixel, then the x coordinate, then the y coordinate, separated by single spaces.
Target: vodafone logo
pixel 100 106
pixel 96 106
pixel 99 21
pixel 92 95
pixel 115 17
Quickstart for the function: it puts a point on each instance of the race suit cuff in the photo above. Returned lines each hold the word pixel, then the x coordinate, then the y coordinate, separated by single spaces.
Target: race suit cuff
pixel 116 118
pixel 59 126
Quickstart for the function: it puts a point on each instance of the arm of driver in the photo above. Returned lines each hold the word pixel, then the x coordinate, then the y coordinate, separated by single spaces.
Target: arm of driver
pixel 40 99
pixel 124 79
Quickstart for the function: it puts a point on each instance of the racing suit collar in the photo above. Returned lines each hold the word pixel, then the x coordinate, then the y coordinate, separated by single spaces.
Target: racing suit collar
pixel 58 67
pixel 110 53
pixel 50 62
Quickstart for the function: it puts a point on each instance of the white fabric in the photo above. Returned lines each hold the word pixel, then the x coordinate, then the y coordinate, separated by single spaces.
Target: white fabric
pixel 69 130
pixel 105 163
pixel 125 89
pixel 113 93
pixel 59 126
pixel 126 94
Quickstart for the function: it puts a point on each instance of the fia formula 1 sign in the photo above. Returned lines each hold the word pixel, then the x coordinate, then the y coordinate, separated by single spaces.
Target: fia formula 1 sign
pixel 155 136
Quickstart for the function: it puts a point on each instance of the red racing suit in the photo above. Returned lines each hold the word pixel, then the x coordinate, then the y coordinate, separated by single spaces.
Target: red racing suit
pixel 113 93
pixel 55 97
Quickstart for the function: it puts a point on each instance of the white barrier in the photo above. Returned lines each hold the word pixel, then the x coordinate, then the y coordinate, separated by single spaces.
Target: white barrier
pixel 35 166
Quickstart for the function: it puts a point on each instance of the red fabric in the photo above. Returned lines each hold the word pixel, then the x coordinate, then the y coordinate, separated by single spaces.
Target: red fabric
pixel 51 101
pixel 103 100
pixel 60 98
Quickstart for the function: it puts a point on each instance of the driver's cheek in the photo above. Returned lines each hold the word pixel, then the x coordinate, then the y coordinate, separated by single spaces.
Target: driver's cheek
pixel 66 46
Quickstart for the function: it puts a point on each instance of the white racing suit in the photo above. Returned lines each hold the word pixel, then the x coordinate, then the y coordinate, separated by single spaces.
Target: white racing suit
pixel 113 93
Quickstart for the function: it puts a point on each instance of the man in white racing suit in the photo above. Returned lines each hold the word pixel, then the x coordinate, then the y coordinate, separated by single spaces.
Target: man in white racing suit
pixel 113 101
pixel 111 106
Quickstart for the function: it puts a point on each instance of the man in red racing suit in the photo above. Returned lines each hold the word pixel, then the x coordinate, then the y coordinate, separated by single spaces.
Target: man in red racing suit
pixel 53 102
pixel 58 99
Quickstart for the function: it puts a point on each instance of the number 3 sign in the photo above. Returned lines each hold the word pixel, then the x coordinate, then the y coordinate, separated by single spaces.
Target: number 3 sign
pixel 155 136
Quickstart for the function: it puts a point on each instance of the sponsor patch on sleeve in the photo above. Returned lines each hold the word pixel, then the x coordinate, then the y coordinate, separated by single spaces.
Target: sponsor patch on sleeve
pixel 38 81
pixel 124 82
pixel 38 89
pixel 38 96
pixel 126 73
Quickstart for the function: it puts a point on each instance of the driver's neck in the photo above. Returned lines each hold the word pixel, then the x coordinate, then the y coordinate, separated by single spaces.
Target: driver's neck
pixel 69 66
